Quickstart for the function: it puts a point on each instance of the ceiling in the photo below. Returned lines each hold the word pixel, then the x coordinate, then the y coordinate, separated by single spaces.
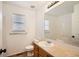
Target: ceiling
pixel 28 4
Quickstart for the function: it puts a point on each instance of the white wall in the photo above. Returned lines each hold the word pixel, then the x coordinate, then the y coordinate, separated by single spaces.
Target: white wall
pixel 75 20
pixel 75 25
pixel 0 24
pixel 16 43
pixel 51 33
pixel 40 23
pixel 60 26
pixel 66 24
pixel 65 27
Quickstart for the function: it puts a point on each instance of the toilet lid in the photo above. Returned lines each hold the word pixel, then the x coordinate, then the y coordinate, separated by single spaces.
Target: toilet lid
pixel 29 47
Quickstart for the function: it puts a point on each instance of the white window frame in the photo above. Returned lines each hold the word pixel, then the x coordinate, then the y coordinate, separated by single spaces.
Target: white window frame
pixel 46 25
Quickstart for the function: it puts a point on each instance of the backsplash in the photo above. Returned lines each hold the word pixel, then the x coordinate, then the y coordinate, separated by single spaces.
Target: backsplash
pixel 75 37
pixel 73 40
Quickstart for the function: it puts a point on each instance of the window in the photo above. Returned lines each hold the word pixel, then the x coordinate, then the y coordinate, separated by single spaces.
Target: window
pixel 18 24
pixel 46 25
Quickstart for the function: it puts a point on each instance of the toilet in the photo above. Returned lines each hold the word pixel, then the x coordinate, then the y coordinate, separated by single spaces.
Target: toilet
pixel 29 50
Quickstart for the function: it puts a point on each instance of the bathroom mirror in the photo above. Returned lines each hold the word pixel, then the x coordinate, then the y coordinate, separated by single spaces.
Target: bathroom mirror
pixel 64 23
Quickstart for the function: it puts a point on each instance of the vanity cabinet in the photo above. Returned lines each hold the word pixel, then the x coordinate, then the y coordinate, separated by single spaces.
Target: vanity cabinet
pixel 42 53
pixel 36 50
pixel 39 52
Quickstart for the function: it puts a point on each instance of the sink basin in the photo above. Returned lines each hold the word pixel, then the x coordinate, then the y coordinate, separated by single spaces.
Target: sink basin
pixel 75 43
pixel 46 44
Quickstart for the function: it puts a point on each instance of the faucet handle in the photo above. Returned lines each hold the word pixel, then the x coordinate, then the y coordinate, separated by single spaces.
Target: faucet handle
pixel 73 36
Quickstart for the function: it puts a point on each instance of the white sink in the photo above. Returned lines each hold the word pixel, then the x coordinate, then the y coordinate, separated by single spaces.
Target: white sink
pixel 46 44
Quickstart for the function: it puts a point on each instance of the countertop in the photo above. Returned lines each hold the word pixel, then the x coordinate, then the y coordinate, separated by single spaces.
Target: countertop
pixel 60 49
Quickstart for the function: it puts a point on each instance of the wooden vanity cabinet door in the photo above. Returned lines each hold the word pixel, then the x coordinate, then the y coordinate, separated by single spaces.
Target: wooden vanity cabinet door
pixel 42 53
pixel 39 52
pixel 36 49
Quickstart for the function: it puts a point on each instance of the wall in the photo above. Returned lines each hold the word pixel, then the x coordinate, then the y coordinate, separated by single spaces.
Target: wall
pixel 75 20
pixel 75 25
pixel 16 43
pixel 66 24
pixel 60 26
pixel 0 25
pixel 51 33
pixel 40 23
pixel 71 27
pixel 65 27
